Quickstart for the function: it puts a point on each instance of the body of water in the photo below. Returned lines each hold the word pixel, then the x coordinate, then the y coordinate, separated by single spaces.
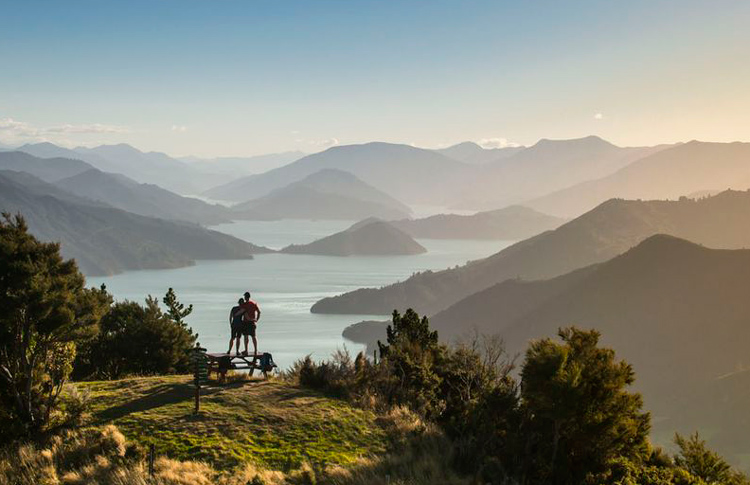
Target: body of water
pixel 286 286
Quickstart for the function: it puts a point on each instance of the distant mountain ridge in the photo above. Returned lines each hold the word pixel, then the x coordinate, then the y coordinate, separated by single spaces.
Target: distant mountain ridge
pixel 511 223
pixel 607 231
pixel 547 166
pixel 105 240
pixel 411 175
pixel 367 238
pixel 145 167
pixel 49 170
pixel 144 199
pixel 326 194
pixel 470 152
pixel 680 170
pixel 241 166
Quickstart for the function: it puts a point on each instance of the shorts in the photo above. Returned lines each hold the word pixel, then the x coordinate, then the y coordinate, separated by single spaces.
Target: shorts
pixel 237 329
pixel 249 329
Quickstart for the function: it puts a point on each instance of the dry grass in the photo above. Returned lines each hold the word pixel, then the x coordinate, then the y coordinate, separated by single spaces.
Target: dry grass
pixel 420 455
pixel 251 432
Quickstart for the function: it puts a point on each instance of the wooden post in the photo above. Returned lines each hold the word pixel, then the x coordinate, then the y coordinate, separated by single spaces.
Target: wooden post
pixel 200 372
pixel 151 458
pixel 375 356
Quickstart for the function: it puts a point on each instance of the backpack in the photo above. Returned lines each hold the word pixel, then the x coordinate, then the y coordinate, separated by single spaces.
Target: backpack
pixel 266 362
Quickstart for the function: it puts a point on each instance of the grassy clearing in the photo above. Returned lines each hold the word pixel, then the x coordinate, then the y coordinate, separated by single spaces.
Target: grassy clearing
pixel 268 423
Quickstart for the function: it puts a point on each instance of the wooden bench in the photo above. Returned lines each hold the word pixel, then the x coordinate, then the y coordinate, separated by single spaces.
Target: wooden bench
pixel 221 363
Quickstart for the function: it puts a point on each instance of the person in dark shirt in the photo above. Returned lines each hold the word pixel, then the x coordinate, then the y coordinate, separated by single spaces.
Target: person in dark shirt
pixel 251 317
pixel 236 317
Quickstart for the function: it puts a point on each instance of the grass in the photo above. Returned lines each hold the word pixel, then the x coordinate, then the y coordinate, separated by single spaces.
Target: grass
pixel 272 424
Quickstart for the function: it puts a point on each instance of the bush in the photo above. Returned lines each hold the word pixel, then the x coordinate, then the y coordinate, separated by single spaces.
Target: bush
pixel 571 420
pixel 136 340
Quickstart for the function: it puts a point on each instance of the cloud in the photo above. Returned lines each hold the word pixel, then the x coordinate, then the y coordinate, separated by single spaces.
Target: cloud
pixel 496 143
pixel 14 131
pixel 317 144
pixel 598 116
pixel 325 143
pixel 90 128
pixel 179 128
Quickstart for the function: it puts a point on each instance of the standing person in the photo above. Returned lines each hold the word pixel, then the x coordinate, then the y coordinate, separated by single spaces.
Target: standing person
pixel 235 325
pixel 251 317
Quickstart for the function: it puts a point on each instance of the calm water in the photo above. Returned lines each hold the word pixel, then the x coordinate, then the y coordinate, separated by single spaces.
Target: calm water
pixel 285 286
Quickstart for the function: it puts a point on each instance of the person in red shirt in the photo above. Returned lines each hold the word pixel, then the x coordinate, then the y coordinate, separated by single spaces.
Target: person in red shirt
pixel 250 320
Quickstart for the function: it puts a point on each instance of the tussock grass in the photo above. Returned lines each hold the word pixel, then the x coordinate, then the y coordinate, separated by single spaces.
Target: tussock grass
pixel 419 454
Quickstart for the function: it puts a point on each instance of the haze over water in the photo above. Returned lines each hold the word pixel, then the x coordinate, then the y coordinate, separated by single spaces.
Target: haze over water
pixel 286 286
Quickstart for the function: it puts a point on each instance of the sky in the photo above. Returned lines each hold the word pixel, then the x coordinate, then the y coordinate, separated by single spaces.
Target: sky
pixel 246 77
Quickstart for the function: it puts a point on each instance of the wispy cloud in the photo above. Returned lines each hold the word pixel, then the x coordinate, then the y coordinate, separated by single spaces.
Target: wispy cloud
pixel 179 128
pixel 496 143
pixel 317 144
pixel 598 116
pixel 86 128
pixel 15 131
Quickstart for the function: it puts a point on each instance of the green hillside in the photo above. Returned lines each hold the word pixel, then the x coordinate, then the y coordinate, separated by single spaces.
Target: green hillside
pixel 271 424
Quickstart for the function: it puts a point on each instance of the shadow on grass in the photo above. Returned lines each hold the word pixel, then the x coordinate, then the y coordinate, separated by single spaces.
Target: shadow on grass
pixel 170 393
pixel 162 395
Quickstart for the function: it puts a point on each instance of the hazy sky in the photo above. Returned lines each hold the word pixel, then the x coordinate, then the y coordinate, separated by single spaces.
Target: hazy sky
pixel 253 76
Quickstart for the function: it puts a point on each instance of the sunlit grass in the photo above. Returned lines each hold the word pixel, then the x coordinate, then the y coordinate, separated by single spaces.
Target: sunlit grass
pixel 268 423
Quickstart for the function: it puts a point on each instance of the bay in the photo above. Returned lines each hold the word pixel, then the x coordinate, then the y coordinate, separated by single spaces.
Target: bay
pixel 286 286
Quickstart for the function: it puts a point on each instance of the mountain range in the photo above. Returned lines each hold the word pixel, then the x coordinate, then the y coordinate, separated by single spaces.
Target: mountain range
pixel 145 199
pixel 145 167
pixel 670 173
pixel 547 166
pixel 607 231
pixel 412 175
pixel 326 194
pixel 233 167
pixel 677 311
pixel 49 170
pixel 470 152
pixel 104 240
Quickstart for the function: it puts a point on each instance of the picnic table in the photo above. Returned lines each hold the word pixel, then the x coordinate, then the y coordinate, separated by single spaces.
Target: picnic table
pixel 222 362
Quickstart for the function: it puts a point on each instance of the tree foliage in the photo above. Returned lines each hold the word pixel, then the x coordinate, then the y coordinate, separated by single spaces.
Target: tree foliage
pixel 45 310
pixel 177 311
pixel 137 340
pixel 571 419
pixel 578 412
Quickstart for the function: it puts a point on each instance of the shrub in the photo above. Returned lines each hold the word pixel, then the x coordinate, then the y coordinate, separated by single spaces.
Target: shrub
pixel 136 339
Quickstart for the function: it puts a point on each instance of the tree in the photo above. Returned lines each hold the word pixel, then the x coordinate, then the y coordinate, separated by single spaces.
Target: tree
pixel 45 311
pixel 408 330
pixel 136 339
pixel 579 415
pixel 411 355
pixel 705 464
pixel 176 310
